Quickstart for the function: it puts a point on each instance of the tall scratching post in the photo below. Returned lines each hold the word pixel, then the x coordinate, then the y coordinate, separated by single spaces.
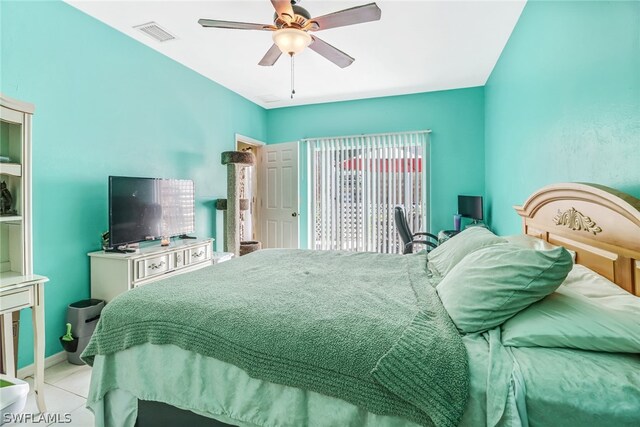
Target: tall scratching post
pixel 234 160
pixel 221 205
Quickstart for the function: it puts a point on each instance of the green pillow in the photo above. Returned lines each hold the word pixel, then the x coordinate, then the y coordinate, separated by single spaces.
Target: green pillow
pixel 442 259
pixel 587 312
pixel 492 284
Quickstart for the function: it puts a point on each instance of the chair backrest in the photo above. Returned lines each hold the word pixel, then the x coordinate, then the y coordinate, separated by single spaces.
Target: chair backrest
pixel 402 225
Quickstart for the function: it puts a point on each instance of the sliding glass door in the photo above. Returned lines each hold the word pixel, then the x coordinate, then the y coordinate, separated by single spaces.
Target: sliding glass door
pixel 357 181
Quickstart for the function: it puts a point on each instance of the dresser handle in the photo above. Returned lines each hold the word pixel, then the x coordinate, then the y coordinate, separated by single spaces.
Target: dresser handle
pixel 198 255
pixel 179 257
pixel 154 266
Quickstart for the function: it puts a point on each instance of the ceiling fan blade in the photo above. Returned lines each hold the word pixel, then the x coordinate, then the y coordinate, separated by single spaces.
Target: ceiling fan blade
pixel 214 23
pixel 355 15
pixel 333 54
pixel 271 56
pixel 283 9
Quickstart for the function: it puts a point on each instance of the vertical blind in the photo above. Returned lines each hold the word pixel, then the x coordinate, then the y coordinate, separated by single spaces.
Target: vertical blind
pixel 356 181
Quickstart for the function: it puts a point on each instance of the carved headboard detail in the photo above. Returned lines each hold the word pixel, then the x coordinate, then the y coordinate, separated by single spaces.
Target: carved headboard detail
pixel 600 224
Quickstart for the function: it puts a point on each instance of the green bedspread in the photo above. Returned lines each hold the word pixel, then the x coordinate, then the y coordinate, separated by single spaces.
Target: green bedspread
pixel 366 328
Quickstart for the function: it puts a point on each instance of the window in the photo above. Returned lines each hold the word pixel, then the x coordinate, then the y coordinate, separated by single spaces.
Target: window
pixel 357 181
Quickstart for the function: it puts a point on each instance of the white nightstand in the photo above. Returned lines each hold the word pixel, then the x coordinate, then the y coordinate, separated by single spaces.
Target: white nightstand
pixel 219 257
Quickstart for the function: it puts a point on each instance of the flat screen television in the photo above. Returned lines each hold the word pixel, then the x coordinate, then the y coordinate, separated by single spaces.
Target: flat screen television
pixel 149 209
pixel 470 207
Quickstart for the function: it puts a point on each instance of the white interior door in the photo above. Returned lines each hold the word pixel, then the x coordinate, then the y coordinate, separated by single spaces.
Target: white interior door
pixel 278 195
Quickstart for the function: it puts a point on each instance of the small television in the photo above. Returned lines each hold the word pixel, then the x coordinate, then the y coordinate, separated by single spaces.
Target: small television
pixel 470 207
pixel 149 208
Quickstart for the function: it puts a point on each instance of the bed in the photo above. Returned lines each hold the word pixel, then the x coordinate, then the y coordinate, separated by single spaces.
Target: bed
pixel 419 370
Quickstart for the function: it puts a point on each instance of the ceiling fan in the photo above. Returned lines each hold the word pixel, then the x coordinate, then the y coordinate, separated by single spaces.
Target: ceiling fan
pixel 291 27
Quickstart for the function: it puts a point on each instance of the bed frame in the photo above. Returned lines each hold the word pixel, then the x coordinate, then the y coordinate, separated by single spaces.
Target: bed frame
pixel 600 224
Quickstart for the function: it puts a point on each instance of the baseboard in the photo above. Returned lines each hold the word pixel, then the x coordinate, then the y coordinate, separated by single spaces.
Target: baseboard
pixel 54 359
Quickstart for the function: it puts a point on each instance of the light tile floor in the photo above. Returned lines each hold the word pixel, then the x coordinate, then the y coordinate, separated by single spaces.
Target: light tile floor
pixel 66 388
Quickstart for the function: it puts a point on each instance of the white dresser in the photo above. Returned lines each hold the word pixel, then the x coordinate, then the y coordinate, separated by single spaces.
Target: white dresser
pixel 115 273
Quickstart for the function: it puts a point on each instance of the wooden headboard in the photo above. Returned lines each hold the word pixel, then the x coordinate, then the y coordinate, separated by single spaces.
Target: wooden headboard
pixel 600 224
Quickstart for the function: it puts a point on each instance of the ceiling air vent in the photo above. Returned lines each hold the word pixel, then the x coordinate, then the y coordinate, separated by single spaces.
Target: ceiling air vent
pixel 155 31
pixel 267 99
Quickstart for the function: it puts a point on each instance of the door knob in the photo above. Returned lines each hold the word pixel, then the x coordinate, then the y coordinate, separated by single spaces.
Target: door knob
pixel 294 214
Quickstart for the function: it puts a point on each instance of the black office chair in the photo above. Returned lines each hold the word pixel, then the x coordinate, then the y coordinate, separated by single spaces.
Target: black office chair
pixel 409 238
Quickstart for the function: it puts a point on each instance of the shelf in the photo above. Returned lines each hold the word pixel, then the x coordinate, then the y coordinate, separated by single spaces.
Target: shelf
pixel 14 169
pixel 10 218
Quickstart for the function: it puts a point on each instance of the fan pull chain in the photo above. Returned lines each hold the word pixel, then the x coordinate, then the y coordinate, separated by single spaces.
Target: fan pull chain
pixel 293 91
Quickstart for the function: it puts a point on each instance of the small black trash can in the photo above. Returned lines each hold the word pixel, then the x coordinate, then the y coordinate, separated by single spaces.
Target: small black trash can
pixel 83 316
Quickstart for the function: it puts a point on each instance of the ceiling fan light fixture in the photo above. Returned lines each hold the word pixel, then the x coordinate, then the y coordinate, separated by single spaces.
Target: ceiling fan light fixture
pixel 291 41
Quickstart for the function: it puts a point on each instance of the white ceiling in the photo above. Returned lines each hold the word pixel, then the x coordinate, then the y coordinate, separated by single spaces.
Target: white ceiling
pixel 417 46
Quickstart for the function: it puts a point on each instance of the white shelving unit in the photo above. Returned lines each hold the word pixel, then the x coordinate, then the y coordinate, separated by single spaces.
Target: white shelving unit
pixel 19 287
pixel 15 227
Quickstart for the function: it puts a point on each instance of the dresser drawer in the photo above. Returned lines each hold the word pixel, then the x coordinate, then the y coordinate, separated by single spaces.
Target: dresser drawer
pixel 153 266
pixel 180 258
pixel 12 301
pixel 199 254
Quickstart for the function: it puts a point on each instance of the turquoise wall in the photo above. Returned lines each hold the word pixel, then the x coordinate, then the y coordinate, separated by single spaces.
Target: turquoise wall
pixel 563 103
pixel 106 105
pixel 456 118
